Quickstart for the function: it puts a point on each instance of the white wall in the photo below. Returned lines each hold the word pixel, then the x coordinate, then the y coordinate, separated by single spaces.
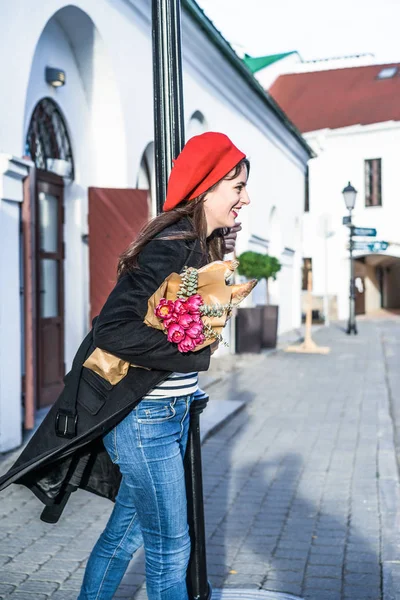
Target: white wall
pixel 12 174
pixel 107 102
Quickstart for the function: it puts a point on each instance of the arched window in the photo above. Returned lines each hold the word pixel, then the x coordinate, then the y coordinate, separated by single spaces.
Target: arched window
pixel 146 176
pixel 197 125
pixel 47 140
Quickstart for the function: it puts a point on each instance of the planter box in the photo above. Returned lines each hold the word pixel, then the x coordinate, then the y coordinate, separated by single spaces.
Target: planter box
pixel 249 325
pixel 269 327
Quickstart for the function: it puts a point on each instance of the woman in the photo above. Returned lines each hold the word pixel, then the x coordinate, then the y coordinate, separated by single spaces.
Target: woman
pixel 149 444
pixel 143 421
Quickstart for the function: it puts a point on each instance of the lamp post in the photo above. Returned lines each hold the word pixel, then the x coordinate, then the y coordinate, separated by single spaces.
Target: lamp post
pixel 349 195
pixel 169 139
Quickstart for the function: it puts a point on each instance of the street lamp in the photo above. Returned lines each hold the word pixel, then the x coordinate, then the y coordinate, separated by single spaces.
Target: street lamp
pixel 349 195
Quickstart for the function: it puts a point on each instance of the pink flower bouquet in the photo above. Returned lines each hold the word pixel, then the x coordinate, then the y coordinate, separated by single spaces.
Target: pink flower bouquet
pixel 192 308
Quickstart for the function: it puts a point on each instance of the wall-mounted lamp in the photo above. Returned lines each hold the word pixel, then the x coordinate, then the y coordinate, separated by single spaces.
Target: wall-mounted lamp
pixel 55 77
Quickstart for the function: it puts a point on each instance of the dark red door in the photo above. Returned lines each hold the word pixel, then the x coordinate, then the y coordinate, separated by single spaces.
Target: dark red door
pixel 50 286
pixel 359 285
pixel 115 218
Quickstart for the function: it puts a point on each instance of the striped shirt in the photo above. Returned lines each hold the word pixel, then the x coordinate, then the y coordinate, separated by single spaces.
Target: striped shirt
pixel 177 384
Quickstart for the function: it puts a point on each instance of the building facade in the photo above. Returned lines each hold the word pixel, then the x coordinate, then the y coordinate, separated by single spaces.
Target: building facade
pixel 351 118
pixel 77 173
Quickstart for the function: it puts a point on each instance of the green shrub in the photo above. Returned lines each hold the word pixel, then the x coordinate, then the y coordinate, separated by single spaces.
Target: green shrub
pixel 254 265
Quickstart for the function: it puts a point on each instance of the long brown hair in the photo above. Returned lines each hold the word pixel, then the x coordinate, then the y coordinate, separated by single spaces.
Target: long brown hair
pixel 213 247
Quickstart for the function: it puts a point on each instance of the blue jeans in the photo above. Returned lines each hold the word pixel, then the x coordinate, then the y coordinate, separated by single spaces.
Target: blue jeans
pixel 150 508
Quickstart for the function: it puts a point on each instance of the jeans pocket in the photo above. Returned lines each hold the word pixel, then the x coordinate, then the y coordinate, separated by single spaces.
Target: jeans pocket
pixel 157 411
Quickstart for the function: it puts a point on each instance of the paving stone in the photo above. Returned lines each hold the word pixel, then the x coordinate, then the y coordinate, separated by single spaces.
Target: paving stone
pixel 288 565
pixel 372 585
pixel 323 583
pixel 333 550
pixel 285 576
pixel 317 594
pixel 326 559
pixel 360 557
pixel 71 584
pixel 64 595
pixel 333 571
pixel 239 578
pixel 6 588
pixel 28 596
pixel 291 554
pixel 53 576
pixel 362 593
pixel 17 566
pixel 33 586
pixel 282 586
pixel 365 579
pixel 12 577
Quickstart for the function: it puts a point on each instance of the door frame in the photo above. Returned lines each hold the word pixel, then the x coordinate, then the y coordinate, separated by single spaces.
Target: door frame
pixel 55 183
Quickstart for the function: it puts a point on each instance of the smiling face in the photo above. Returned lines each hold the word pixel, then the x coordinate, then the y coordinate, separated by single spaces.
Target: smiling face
pixel 222 205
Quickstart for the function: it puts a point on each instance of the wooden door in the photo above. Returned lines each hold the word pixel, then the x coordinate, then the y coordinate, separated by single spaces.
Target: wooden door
pixel 115 218
pixel 50 286
pixel 359 285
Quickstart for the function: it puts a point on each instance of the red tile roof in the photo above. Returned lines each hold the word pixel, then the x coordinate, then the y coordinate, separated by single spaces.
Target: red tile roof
pixel 338 98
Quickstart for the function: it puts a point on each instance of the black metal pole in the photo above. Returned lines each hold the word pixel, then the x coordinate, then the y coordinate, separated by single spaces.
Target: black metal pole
pixel 352 326
pixel 169 129
pixel 169 139
pixel 199 587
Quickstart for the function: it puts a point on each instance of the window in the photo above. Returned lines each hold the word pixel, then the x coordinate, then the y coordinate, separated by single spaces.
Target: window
pixel 307 268
pixel 373 178
pixel 47 141
pixel 307 191
pixel 387 73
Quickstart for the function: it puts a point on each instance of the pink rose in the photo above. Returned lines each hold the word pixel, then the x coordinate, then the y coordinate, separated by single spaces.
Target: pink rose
pixel 187 344
pixel 176 333
pixel 185 320
pixel 195 330
pixel 200 339
pixel 181 307
pixel 164 309
pixel 196 317
pixel 168 322
pixel 194 302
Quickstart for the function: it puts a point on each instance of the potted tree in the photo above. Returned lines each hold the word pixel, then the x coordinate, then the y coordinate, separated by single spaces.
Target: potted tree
pixel 261 266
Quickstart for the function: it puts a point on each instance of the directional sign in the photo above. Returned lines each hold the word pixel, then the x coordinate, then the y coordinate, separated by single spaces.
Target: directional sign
pixel 371 246
pixel 366 231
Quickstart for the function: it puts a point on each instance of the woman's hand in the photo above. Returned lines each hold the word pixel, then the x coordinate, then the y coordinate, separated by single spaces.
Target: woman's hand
pixel 230 238
pixel 214 346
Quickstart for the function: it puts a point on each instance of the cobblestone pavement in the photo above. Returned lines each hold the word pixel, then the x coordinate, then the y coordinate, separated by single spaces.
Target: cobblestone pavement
pixel 301 487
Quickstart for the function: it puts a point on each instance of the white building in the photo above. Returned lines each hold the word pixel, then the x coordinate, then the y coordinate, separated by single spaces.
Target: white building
pixel 351 118
pixel 95 133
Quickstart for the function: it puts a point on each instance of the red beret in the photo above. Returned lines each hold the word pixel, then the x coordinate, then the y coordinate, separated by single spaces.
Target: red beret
pixel 204 161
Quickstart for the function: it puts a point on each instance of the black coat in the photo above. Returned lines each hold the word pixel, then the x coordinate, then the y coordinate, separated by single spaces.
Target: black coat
pixel 53 466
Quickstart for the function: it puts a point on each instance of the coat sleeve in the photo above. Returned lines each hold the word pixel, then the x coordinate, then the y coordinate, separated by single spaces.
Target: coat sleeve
pixel 120 329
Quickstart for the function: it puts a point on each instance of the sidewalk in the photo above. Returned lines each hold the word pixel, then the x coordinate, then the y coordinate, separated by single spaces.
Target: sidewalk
pixel 301 486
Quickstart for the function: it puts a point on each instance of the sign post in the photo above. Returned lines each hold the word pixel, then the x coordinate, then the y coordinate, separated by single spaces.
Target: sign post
pixel 308 346
pixel 371 246
pixel 364 231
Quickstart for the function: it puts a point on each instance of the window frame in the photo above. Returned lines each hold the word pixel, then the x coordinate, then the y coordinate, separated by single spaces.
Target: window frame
pixel 307 190
pixel 373 182
pixel 306 267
